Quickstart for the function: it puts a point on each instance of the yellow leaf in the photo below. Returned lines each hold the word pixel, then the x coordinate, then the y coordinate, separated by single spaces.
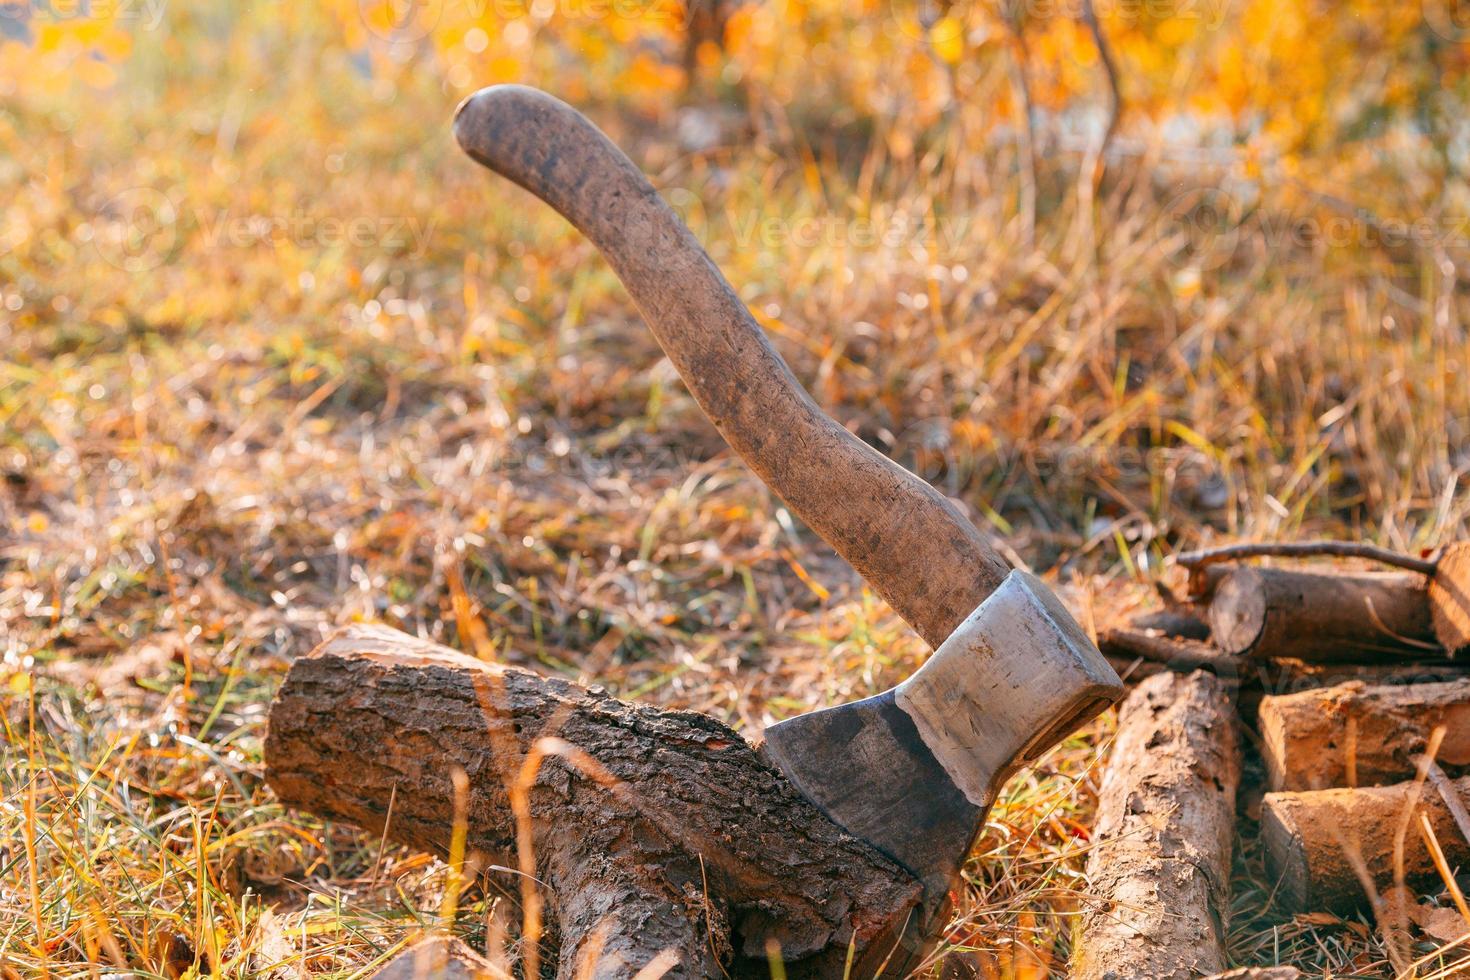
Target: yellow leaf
pixel 948 38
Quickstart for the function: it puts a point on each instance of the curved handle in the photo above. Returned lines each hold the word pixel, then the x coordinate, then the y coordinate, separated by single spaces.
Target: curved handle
pixel 905 538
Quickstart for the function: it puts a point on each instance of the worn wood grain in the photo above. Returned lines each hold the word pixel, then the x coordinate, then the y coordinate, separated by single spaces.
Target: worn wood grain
pixel 905 538
pixel 1160 866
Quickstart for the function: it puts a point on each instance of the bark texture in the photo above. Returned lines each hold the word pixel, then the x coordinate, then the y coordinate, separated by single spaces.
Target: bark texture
pixel 437 958
pixel 651 829
pixel 1269 612
pixel 1312 839
pixel 1449 598
pixel 1356 734
pixel 1160 867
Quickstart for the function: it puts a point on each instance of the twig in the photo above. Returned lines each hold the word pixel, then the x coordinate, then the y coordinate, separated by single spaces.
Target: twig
pixel 1115 90
pixel 1451 798
pixel 1154 645
pixel 1304 549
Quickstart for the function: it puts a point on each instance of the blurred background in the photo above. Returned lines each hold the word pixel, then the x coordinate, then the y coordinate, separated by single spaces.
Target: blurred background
pixel 1120 276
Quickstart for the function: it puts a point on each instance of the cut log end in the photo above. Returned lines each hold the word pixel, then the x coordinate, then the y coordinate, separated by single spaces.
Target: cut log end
pixel 1449 598
pixel 1318 841
pixel 1238 611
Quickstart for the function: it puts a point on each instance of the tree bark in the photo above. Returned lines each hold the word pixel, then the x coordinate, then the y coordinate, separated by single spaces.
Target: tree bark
pixel 1449 598
pixel 652 830
pixel 437 958
pixel 1314 838
pixel 1160 866
pixel 1268 612
pixel 1357 735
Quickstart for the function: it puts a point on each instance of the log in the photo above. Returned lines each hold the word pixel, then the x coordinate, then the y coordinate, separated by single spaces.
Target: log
pixel 651 830
pixel 1313 839
pixel 1269 612
pixel 1449 598
pixel 437 958
pixel 1356 734
pixel 1160 865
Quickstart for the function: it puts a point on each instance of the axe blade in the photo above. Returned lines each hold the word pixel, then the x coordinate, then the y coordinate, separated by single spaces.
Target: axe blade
pixel 912 771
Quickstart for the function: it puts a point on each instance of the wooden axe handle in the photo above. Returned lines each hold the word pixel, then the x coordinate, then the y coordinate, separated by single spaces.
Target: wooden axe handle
pixel 907 540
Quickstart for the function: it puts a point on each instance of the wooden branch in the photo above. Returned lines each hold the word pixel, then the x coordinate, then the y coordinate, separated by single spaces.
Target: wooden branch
pixel 1449 598
pixel 1314 839
pixel 1177 653
pixel 1304 549
pixel 1354 734
pixel 651 830
pixel 1268 612
pixel 1160 867
pixel 1179 621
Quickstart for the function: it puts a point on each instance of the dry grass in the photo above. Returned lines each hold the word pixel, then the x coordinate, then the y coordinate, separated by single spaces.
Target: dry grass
pixel 212 458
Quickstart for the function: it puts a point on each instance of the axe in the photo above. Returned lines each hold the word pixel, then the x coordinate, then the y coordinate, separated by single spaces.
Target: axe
pixel 911 771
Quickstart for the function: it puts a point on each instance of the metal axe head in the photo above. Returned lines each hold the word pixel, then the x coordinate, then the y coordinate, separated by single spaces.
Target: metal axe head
pixel 913 770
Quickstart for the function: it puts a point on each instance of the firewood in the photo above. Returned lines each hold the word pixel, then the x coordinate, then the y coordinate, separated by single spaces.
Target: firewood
pixel 1354 734
pixel 1269 612
pixel 1449 598
pixel 654 830
pixel 1313 840
pixel 437 958
pixel 1160 867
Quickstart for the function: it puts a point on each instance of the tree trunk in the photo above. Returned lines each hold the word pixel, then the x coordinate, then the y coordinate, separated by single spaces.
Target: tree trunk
pixel 1313 840
pixel 1357 735
pixel 1268 612
pixel 1160 865
pixel 652 830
